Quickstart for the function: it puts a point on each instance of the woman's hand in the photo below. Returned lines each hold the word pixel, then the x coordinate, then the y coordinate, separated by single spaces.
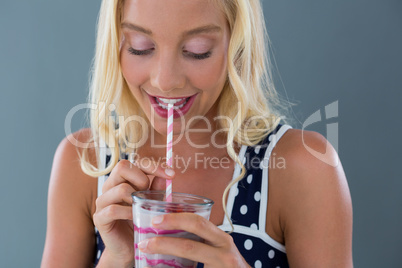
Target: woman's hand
pixel 218 249
pixel 113 217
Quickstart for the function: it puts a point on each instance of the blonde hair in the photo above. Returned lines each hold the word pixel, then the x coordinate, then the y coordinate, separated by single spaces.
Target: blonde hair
pixel 249 83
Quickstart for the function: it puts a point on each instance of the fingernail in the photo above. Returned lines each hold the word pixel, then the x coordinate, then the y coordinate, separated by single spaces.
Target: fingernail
pixel 157 219
pixel 169 172
pixel 143 244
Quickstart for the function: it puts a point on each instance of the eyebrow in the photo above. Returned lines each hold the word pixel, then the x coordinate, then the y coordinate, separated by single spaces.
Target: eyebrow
pixel 210 28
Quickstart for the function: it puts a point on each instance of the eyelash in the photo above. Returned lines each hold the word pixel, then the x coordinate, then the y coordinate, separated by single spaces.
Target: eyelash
pixel 146 52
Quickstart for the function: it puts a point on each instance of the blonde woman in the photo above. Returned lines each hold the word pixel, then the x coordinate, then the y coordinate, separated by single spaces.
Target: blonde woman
pixel 209 58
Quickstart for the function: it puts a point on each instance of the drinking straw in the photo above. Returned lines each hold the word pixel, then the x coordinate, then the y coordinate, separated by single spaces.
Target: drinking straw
pixel 169 150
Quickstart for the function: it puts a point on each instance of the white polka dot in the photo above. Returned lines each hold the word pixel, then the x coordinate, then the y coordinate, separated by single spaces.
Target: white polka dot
pixel 257 196
pixel 249 178
pixel 272 137
pixel 254 226
pixel 236 191
pixel 278 267
pixel 257 264
pixel 243 209
pixel 248 244
pixel 257 149
pixel 271 254
pixel 112 107
pixel 98 255
pixel 97 240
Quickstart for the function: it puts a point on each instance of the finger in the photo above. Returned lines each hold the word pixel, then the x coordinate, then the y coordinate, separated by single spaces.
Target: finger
pixel 125 171
pixel 180 247
pixel 195 224
pixel 112 213
pixel 151 167
pixel 158 184
pixel 121 194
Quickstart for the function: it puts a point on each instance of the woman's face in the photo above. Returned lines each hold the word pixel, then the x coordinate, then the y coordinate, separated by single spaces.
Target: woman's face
pixel 174 51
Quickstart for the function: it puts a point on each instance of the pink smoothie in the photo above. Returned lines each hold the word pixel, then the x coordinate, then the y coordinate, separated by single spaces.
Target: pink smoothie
pixel 143 230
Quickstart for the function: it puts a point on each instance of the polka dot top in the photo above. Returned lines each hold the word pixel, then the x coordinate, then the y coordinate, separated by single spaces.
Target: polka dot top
pixel 247 205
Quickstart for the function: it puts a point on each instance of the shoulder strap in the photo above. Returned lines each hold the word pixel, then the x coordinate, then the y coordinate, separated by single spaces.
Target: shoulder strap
pixel 104 159
pixel 103 150
pixel 273 138
pixel 234 190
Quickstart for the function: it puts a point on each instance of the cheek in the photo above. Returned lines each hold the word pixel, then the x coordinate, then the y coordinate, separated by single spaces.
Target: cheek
pixel 133 74
pixel 211 75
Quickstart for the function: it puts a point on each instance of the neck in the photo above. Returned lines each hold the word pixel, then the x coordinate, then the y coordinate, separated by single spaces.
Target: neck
pixel 202 139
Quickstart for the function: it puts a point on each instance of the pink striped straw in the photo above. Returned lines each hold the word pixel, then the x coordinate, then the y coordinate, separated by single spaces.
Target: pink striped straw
pixel 169 150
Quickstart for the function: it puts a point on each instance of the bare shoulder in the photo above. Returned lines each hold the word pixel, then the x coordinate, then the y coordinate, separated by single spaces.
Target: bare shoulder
pixel 307 158
pixel 70 229
pixel 315 211
pixel 67 167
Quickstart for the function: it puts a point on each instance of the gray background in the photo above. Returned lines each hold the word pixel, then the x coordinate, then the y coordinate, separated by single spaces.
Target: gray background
pixel 325 51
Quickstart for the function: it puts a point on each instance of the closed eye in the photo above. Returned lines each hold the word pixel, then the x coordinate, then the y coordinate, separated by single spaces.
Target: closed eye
pixel 149 51
pixel 200 56
pixel 139 52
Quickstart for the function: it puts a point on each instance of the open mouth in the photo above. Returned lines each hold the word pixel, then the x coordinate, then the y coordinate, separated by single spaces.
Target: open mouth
pixel 181 105
pixel 177 103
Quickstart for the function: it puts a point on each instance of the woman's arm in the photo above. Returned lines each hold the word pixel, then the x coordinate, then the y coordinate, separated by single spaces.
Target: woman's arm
pixel 316 209
pixel 70 238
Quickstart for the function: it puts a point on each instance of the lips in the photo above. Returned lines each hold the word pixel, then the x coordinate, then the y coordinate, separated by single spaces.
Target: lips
pixel 181 105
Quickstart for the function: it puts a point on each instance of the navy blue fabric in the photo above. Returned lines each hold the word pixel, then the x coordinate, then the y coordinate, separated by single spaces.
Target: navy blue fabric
pixel 100 246
pixel 245 212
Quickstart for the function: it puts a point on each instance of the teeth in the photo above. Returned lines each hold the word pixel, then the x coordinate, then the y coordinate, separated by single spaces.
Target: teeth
pixel 166 107
pixel 170 101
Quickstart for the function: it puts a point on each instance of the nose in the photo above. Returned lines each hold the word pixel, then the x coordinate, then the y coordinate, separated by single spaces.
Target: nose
pixel 167 73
